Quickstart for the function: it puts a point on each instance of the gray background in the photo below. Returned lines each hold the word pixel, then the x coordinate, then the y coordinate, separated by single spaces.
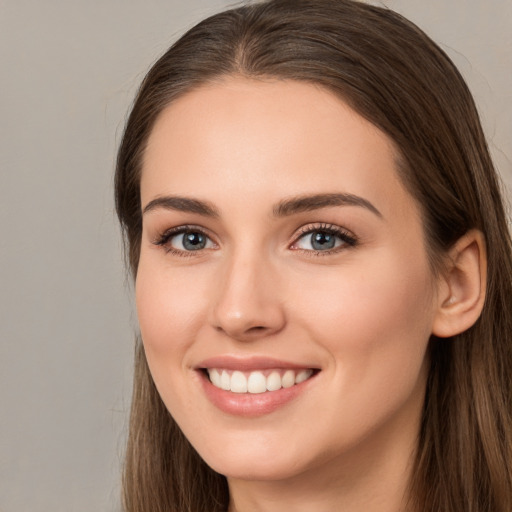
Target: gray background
pixel 69 70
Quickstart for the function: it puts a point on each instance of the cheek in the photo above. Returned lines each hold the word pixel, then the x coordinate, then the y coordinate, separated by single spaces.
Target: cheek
pixel 375 322
pixel 171 307
pixel 171 310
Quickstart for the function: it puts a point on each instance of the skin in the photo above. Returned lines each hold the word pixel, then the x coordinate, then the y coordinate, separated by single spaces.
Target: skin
pixel 362 314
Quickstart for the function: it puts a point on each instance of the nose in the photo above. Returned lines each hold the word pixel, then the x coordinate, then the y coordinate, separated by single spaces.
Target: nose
pixel 248 301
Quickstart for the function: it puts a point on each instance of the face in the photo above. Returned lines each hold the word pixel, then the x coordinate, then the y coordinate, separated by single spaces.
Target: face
pixel 284 294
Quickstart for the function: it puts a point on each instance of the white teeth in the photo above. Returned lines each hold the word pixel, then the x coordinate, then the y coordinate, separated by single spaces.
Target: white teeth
pixel 256 382
pixel 215 378
pixel 225 381
pixel 303 375
pixel 288 379
pixel 238 383
pixel 274 381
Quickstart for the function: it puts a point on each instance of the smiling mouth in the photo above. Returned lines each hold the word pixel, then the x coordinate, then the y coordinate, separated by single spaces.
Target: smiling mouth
pixel 258 381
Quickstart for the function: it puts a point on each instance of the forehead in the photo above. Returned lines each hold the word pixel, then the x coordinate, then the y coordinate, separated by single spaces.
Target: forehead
pixel 268 139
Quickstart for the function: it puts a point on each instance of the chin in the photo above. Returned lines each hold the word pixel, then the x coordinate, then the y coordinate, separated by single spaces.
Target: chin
pixel 251 469
pixel 257 457
pixel 245 456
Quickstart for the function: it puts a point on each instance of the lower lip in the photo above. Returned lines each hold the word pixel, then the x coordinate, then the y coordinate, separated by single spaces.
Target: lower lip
pixel 252 404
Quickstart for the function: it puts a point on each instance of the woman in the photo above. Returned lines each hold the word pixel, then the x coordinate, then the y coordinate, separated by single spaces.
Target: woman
pixel 323 271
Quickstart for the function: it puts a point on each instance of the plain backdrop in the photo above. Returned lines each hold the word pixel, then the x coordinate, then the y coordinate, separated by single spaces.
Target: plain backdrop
pixel 69 70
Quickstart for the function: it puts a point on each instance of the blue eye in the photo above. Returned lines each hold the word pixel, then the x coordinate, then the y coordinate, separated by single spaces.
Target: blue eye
pixel 182 240
pixel 190 241
pixel 324 239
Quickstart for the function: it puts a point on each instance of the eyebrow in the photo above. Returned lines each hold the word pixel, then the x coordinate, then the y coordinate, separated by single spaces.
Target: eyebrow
pixel 182 204
pixel 315 202
pixel 284 208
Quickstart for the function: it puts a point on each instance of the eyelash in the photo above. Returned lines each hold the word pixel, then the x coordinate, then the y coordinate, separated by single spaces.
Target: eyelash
pixel 165 237
pixel 348 239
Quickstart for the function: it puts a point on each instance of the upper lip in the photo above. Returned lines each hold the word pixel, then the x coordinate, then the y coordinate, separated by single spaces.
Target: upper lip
pixel 229 362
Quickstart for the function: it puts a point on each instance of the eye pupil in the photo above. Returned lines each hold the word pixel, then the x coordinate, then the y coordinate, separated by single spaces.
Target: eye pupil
pixel 194 241
pixel 322 240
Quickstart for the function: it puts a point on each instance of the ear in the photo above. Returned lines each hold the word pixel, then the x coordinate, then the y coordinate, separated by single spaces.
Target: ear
pixel 462 286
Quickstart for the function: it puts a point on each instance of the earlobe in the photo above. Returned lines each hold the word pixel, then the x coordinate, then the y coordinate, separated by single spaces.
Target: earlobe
pixel 462 286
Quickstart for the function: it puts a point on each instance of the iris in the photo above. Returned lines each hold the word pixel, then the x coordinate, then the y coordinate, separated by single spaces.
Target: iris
pixel 194 241
pixel 321 240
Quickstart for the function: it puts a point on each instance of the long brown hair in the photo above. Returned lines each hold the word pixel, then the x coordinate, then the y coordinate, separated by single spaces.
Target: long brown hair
pixel 392 74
